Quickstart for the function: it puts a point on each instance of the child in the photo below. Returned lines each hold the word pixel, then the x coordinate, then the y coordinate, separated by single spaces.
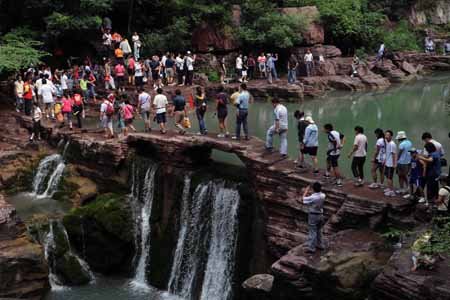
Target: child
pixel 37 116
pixel 416 177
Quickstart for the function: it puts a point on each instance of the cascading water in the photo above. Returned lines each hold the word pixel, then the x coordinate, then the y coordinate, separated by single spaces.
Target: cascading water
pixel 217 283
pixel 188 253
pixel 142 198
pixel 49 174
pixel 50 248
pixel 198 237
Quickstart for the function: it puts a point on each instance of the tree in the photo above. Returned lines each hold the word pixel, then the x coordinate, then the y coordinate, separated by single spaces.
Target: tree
pixel 19 50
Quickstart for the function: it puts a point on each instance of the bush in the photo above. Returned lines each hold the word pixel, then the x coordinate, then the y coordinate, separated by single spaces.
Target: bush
pixel 401 38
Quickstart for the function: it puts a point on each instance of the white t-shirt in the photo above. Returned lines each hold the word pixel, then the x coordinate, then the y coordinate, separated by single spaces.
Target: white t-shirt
pixel 446 194
pixel 361 142
pixel 438 146
pixel 47 91
pixel 160 102
pixel 180 63
pixel 381 144
pixel 144 100
pixel 37 115
pixel 64 82
pixel 308 57
pixel 138 70
pixel 281 114
pixel 391 150
pixel 19 88
pixel 190 63
pixel 38 84
pixel 334 136
pixel 238 63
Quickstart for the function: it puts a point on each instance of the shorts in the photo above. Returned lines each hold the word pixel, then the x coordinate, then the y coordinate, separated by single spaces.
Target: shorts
pixel 145 115
pixel 244 73
pixel 262 67
pixel 389 172
pixel 239 72
pixel 378 165
pixel 333 160
pixel 139 80
pixel 67 116
pixel 222 114
pixel 403 169
pixel 311 151
pixel 131 71
pixel 155 75
pixel 170 72
pixel 417 181
pixel 179 116
pixel 161 118
pixel 107 122
pixel 128 122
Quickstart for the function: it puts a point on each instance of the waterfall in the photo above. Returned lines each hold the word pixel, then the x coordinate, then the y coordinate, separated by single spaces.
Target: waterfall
pixel 187 256
pixel 49 174
pixel 50 250
pixel 142 197
pixel 199 237
pixel 217 283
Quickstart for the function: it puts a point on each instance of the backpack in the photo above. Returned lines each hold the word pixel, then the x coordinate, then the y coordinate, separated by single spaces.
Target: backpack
pixel 109 110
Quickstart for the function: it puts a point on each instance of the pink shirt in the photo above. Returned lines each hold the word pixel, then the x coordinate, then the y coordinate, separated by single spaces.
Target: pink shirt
pixel 67 105
pixel 120 70
pixel 261 59
pixel 128 112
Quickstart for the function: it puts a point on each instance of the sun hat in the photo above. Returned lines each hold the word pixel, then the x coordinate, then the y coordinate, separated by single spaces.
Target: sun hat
pixel 309 119
pixel 401 135
pixel 413 150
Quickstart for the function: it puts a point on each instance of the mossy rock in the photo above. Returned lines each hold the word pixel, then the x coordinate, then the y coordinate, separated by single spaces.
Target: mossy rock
pixel 70 271
pixel 103 232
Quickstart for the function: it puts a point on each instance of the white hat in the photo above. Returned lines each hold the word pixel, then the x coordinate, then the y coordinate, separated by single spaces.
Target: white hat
pixel 309 119
pixel 189 53
pixel 401 135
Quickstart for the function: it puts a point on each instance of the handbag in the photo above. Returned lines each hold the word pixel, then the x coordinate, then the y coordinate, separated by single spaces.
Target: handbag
pixel 186 122
pixel 443 162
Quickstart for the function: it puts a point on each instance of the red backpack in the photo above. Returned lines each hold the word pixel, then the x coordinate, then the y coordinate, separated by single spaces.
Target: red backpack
pixel 109 109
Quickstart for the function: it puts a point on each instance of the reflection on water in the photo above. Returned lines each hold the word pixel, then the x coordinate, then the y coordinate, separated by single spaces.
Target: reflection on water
pixel 109 289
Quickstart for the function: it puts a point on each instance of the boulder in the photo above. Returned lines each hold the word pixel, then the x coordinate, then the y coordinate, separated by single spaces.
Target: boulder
pixel 389 70
pixel 102 231
pixel 408 68
pixel 424 12
pixel 344 271
pixel 23 269
pixel 258 286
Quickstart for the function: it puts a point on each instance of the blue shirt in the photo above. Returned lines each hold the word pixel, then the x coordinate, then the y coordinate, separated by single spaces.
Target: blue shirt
pixel 242 100
pixel 434 168
pixel 405 157
pixel 416 170
pixel 311 138
pixel 271 62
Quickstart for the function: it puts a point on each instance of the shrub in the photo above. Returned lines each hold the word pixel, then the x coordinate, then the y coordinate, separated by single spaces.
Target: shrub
pixel 401 38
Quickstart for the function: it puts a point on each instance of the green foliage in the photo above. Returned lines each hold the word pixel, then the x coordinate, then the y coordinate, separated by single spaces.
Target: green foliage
pixel 362 54
pixel 401 38
pixel 351 20
pixel 213 76
pixel 439 242
pixel 394 234
pixel 263 25
pixel 19 50
pixel 96 6
pixel 58 23
pixel 213 12
pixel 174 37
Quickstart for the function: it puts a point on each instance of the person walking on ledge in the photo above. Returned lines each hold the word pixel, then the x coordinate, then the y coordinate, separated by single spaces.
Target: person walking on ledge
pixel 315 202
pixel 359 153
pixel 279 127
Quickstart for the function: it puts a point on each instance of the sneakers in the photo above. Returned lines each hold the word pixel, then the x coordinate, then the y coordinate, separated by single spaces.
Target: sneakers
pixel 422 200
pixel 373 185
pixel 386 190
pixel 390 194
pixel 221 135
pixel 235 138
pixel 339 183
pixel 359 183
pixel 326 175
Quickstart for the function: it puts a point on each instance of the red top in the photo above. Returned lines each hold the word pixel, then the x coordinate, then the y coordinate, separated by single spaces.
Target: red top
pixel 67 105
pixel 77 99
pixel 28 92
pixel 131 63
pixel 120 70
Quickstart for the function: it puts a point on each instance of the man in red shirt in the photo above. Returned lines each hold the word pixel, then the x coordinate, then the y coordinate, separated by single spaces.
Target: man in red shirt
pixel 28 96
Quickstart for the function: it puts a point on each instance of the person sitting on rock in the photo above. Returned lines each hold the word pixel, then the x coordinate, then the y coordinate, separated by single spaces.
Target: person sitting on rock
pixel 315 202
pixel 355 64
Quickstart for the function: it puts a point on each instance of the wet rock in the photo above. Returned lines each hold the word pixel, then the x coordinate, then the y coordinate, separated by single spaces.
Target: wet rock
pixel 258 286
pixel 343 271
pixel 23 269
pixel 389 70
pixel 408 68
pixel 102 232
pixel 398 282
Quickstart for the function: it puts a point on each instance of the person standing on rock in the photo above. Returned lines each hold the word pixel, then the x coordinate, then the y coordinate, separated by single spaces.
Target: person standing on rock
pixel 279 127
pixel 309 62
pixel 109 79
pixel 47 91
pixel 160 104
pixel 144 106
pixel 251 63
pixel 239 64
pixel 136 45
pixel 315 202
pixel 378 159
pixel 222 112
pixel 28 96
pixel 18 92
pixel 242 102
pixel 301 127
pixel 390 163
pixel 311 142
pixel 179 62
pixel 380 54
pixel 262 66
pixel 106 118
pixel 179 104
pixel 359 153
pixel 189 64
pixel 292 69
pixel 404 161
pixel 37 116
pixel 271 68
pixel 333 152
pixel 200 110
